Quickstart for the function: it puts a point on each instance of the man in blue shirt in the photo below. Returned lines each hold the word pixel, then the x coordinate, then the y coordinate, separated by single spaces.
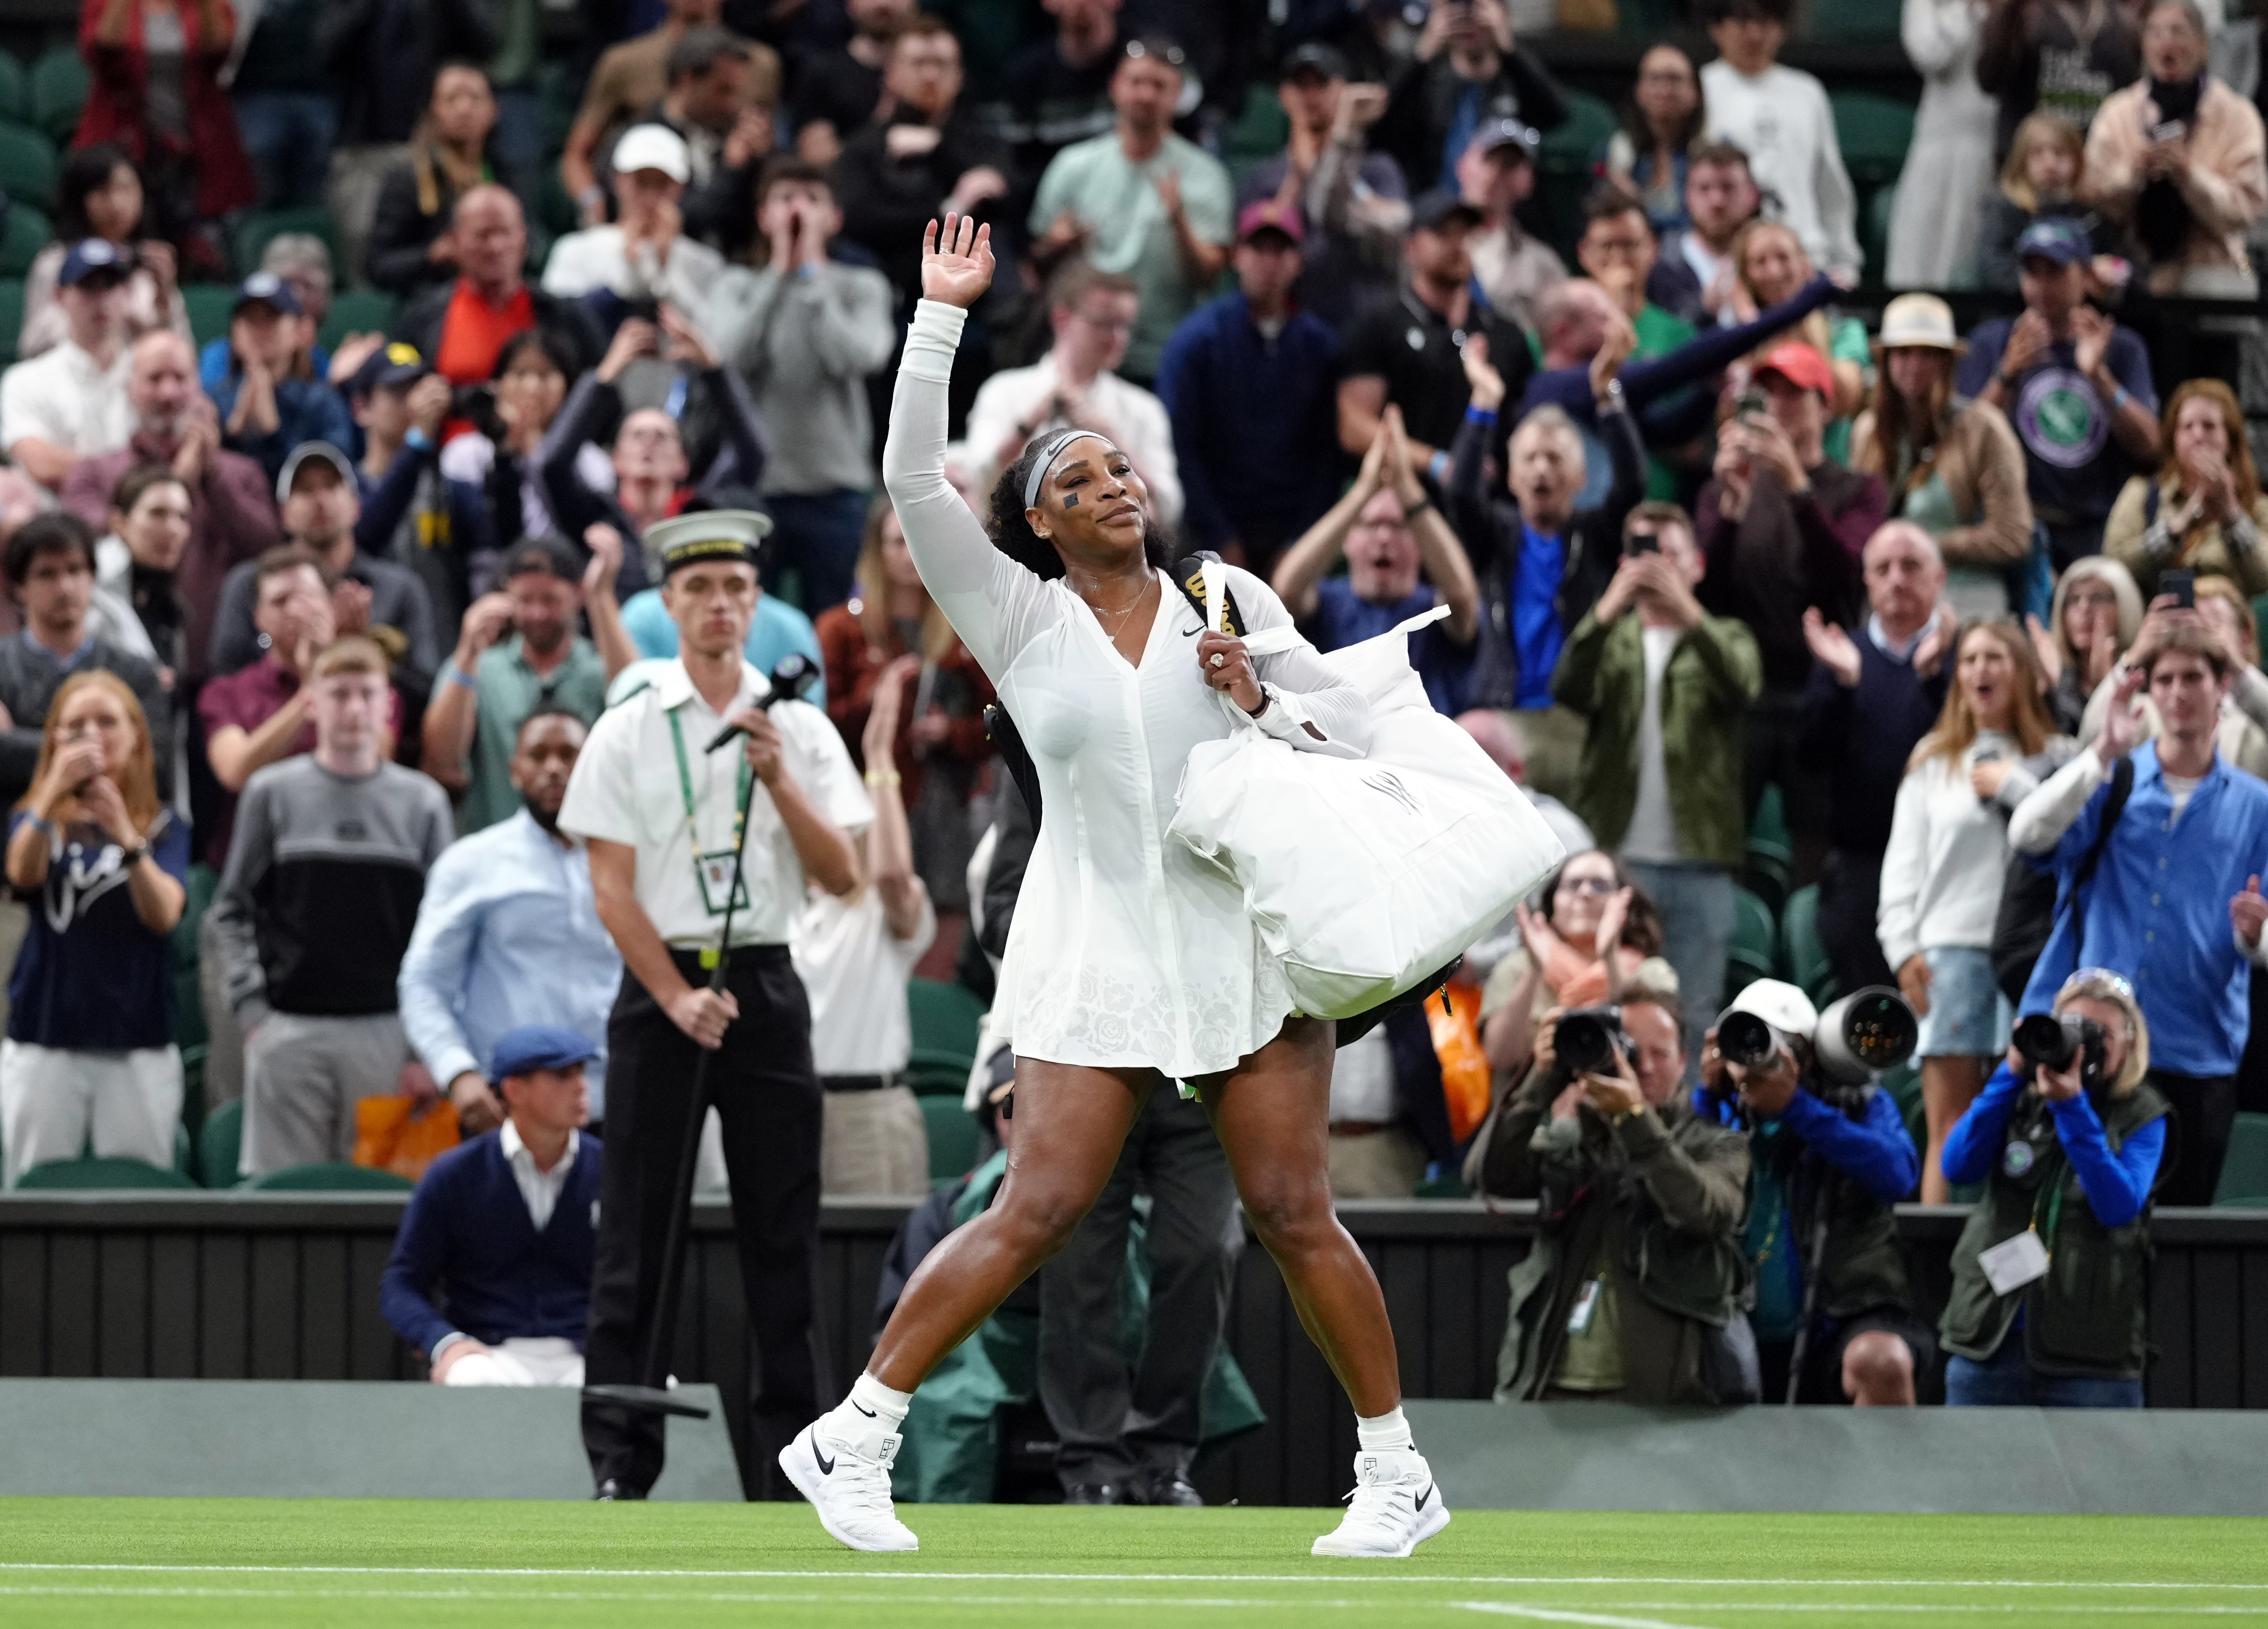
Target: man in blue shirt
pixel 1387 527
pixel 504 1226
pixel 2174 904
pixel 1250 382
pixel 508 935
pixel 2075 386
pixel 268 401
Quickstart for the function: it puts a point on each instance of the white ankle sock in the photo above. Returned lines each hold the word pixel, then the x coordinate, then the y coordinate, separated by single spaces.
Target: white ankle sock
pixel 878 1401
pixel 1387 1430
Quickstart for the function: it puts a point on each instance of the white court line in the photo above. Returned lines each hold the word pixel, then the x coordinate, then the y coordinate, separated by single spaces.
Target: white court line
pixel 1340 1579
pixel 1504 1608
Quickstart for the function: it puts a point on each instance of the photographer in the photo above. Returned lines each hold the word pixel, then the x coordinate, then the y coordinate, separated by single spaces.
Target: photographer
pixel 1833 1315
pixel 1631 1289
pixel 2050 1303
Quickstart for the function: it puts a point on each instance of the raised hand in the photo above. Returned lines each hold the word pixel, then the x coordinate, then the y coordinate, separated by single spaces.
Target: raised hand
pixel 1832 648
pixel 956 266
pixel 605 545
pixel 1487 384
pixel 2122 725
pixel 2248 912
pixel 2045 651
pixel 1930 654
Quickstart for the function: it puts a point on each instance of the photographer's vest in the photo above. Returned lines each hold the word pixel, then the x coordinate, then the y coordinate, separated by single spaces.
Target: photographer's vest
pixel 2089 1315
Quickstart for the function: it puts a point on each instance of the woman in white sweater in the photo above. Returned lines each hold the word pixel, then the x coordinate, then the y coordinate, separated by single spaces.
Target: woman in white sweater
pixel 1949 169
pixel 1947 853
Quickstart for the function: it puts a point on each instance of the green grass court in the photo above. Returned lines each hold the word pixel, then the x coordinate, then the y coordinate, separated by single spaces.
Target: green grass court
pixel 257 1562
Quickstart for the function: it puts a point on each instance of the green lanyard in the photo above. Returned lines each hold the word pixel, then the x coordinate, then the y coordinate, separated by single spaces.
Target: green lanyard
pixel 685 789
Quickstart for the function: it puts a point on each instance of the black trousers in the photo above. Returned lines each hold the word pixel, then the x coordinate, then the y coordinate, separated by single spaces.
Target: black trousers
pixel 767 1097
pixel 2204 1113
pixel 1849 890
pixel 1115 1411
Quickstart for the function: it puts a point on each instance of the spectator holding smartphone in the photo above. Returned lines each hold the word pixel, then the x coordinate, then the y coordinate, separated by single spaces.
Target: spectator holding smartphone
pixel 2202 511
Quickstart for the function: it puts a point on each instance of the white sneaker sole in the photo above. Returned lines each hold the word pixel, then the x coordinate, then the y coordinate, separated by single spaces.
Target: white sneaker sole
pixel 798 1461
pixel 1428 1523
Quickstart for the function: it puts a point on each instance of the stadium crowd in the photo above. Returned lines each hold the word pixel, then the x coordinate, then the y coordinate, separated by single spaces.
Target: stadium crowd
pixel 1843 647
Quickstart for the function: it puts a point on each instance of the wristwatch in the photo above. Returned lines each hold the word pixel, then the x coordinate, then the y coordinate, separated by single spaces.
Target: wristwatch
pixel 1610 400
pixel 131 857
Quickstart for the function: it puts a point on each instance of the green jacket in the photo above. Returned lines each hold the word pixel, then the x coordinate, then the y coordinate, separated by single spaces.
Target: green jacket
pixel 1713 673
pixel 2090 1315
pixel 1664 1190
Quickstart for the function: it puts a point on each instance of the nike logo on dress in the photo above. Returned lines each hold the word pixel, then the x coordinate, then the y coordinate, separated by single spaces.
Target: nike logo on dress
pixel 1423 1497
pixel 1191 632
pixel 862 1409
pixel 826 1466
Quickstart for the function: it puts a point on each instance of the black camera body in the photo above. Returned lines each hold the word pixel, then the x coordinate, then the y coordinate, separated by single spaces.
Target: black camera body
pixel 2049 1041
pixel 1589 1038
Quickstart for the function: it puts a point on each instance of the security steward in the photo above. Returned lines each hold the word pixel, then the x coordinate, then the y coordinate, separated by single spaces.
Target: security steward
pixel 659 812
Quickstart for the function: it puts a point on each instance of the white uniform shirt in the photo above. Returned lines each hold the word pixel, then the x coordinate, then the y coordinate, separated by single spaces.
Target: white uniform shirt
pixel 855 974
pixel 626 789
pixel 65 397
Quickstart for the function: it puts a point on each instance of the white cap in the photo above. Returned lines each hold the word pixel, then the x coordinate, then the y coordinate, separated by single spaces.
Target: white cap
pixel 652 147
pixel 1780 1004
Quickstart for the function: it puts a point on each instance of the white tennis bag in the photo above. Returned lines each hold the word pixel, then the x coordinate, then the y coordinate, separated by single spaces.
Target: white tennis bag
pixel 1364 874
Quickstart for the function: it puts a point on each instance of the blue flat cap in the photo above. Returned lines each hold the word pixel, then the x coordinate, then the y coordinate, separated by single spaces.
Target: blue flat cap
pixel 539 1046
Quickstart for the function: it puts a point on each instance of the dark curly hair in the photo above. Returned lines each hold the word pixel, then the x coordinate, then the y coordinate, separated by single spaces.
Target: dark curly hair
pixel 1013 534
pixel 1641 927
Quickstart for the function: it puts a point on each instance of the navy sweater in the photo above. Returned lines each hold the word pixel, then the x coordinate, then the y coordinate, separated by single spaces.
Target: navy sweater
pixel 468 1234
pixel 1862 736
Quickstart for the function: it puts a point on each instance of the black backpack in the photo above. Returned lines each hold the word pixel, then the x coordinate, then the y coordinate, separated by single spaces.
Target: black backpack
pixel 2028 906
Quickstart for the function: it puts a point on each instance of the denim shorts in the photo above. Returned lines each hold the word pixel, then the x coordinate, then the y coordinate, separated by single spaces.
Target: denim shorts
pixel 1968 1016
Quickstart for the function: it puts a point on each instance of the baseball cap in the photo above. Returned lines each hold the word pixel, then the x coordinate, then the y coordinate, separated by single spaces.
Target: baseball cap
pixel 653 147
pixel 1779 1003
pixel 389 367
pixel 1919 320
pixel 1267 215
pixel 541 555
pixel 2057 241
pixel 1315 57
pixel 90 257
pixel 1800 366
pixel 1497 133
pixel 709 534
pixel 298 459
pixel 1434 208
pixel 539 1046
pixel 265 288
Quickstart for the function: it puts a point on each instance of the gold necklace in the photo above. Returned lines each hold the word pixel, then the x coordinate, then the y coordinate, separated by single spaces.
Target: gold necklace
pixel 1126 611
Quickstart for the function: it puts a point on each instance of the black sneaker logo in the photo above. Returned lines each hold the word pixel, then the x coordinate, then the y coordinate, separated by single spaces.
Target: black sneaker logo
pixel 826 1465
pixel 1423 1497
pixel 862 1409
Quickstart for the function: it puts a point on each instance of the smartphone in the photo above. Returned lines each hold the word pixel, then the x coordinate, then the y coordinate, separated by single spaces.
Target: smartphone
pixel 2182 585
pixel 1642 543
pixel 1750 404
pixel 2172 130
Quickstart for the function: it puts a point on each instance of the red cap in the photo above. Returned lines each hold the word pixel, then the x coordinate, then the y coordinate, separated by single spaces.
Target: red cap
pixel 1800 366
pixel 1267 215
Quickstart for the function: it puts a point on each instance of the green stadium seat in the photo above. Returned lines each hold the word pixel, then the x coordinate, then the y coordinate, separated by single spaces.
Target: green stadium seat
pixel 2244 1173
pixel 220 1141
pixel 29 232
pixel 1448 1186
pixel 58 91
pixel 1802 954
pixel 1573 148
pixel 357 311
pixel 945 1019
pixel 189 1000
pixel 1874 132
pixel 27 165
pixel 102 1173
pixel 1260 130
pixel 1771 851
pixel 953 1138
pixel 332 1177
pixel 1754 951
pixel 1875 229
pixel 12 317
pixel 254 232
pixel 15 89
pixel 208 304
pixel 1854 20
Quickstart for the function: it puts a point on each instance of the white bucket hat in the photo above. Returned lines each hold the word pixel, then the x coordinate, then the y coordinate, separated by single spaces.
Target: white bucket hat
pixel 1919 320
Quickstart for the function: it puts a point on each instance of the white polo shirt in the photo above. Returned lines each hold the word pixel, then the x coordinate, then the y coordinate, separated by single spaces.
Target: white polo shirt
pixel 626 789
pixel 65 397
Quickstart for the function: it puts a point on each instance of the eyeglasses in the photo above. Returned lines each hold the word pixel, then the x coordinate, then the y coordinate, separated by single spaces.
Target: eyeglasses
pixel 1172 55
pixel 1585 884
pixel 2095 981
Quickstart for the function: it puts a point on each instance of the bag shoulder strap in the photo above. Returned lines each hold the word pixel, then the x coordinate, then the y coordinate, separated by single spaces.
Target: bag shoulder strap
pixel 2122 783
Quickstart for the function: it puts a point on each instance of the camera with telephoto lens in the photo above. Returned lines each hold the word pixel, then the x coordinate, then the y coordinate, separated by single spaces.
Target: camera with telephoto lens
pixel 1866 1033
pixel 2051 1041
pixel 1588 1040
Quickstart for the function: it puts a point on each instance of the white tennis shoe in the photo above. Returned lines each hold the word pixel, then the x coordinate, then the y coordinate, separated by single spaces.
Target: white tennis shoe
pixel 848 1481
pixel 1394 1509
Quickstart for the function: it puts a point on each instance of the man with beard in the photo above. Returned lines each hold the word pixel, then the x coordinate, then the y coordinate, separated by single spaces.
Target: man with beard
pixel 507 934
pixel 493 684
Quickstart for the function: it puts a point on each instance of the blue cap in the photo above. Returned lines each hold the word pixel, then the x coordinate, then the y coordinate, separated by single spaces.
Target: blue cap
pixel 2063 242
pixel 269 288
pixel 539 1046
pixel 389 367
pixel 92 255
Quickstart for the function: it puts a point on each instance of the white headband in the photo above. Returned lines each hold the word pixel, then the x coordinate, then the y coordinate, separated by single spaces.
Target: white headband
pixel 1046 461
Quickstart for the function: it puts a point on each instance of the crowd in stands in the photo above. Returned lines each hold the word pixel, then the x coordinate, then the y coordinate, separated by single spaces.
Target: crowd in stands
pixel 1934 602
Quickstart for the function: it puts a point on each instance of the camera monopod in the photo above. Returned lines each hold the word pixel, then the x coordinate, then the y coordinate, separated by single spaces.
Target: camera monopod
pixel 794 675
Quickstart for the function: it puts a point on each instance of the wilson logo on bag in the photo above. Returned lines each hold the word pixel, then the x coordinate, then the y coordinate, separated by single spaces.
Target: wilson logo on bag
pixel 1387 781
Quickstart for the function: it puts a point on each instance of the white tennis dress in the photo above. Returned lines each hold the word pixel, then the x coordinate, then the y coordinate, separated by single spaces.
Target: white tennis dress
pixel 1126 951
